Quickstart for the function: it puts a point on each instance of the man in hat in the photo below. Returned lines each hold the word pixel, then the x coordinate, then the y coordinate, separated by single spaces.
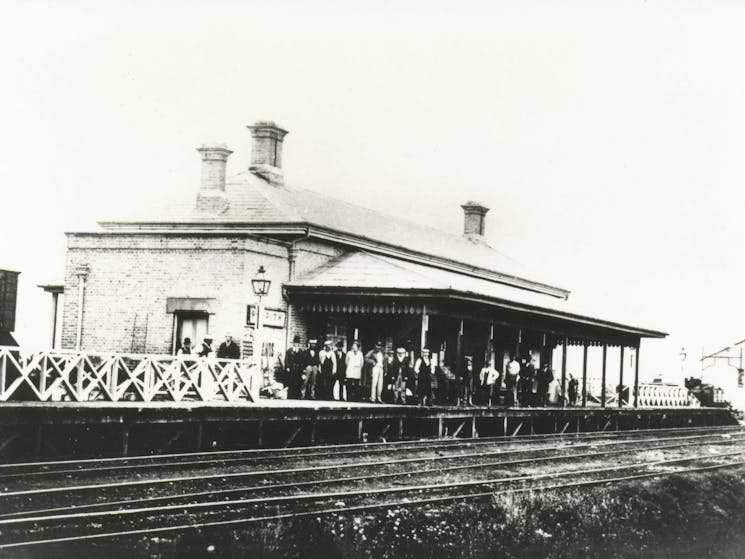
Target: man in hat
pixel 339 386
pixel 311 364
pixel 355 361
pixel 327 360
pixel 206 349
pixel 398 376
pixel 294 369
pixel 186 348
pixel 545 377
pixel 375 359
pixel 424 369
pixel 490 381
pixel 465 394
pixel 510 380
pixel 525 384
pixel 228 349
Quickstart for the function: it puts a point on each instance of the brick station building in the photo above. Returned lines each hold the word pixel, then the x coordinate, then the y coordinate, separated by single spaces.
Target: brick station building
pixel 337 270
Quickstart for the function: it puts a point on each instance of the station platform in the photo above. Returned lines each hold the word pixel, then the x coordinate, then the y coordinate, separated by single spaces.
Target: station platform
pixel 62 430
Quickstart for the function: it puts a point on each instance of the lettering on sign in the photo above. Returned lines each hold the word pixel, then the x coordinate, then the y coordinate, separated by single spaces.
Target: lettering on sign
pixel 271 318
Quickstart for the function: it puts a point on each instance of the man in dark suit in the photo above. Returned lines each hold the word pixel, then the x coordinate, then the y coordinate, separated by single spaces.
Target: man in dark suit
pixel 398 376
pixel 294 365
pixel 340 381
pixel 228 349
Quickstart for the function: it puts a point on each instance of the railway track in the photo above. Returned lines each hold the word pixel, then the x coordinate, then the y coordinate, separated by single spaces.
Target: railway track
pixel 224 457
pixel 271 496
pixel 465 453
pixel 24 471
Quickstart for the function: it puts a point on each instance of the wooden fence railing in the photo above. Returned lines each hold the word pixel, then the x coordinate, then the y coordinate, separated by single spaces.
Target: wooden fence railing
pixel 79 376
pixel 650 396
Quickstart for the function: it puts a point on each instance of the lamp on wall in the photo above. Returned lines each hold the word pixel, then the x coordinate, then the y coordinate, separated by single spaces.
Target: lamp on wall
pixel 261 287
pixel 260 284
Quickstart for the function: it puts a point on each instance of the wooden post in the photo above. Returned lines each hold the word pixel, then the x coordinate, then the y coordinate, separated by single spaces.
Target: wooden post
pixel 544 352
pixel 492 356
pixel 359 430
pixel 519 341
pixel 3 371
pixel 584 374
pixel 563 371
pixel 459 358
pixel 474 431
pixel 400 428
pixel 602 378
pixel 425 328
pixel 259 435
pixel 620 379
pixel 636 376
pixel 440 427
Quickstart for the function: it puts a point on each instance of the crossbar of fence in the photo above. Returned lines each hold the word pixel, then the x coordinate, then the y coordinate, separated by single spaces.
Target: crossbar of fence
pixel 82 376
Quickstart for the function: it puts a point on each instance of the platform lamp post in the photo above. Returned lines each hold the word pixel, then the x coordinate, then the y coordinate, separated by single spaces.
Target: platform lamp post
pixel 261 287
pixel 683 356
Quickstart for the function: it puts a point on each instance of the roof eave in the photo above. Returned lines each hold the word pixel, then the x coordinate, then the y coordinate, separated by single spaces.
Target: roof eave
pixel 473 297
pixel 357 241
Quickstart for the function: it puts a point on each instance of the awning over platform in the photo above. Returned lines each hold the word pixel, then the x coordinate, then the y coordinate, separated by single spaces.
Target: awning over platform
pixel 362 273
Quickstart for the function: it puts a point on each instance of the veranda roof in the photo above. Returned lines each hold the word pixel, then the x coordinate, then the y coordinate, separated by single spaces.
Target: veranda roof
pixel 361 272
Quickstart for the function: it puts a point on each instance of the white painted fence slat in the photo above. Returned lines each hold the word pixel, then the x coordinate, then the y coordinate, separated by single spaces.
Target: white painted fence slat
pixel 50 376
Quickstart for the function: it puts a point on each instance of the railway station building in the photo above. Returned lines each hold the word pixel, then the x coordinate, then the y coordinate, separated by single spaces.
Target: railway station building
pixel 337 271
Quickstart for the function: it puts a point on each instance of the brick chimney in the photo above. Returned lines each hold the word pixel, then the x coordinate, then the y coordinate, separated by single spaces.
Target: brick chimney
pixel 266 155
pixel 474 221
pixel 211 196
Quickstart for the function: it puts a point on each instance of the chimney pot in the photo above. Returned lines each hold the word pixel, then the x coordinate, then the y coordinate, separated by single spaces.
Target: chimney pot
pixel 211 196
pixel 214 159
pixel 266 154
pixel 474 220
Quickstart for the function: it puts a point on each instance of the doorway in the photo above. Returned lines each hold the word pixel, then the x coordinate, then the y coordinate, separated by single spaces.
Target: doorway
pixel 192 325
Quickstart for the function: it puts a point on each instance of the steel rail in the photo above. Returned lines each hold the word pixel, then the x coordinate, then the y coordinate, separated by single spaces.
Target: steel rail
pixel 231 475
pixel 368 507
pixel 291 499
pixel 436 443
pixel 364 447
pixel 417 472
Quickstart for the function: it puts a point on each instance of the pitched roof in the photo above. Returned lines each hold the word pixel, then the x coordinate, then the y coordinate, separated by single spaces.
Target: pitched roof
pixel 361 270
pixel 252 200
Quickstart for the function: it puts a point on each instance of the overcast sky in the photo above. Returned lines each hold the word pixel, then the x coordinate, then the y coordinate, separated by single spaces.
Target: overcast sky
pixel 606 137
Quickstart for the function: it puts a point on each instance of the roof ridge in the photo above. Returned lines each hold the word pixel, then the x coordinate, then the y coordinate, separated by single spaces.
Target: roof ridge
pixel 402 220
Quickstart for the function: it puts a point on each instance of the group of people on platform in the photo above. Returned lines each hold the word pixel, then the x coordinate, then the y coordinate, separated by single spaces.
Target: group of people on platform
pixel 332 373
pixel 228 349
pixel 395 378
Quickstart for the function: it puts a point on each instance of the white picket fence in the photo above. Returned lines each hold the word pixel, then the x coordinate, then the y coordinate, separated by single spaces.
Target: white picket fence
pixel 80 376
pixel 650 395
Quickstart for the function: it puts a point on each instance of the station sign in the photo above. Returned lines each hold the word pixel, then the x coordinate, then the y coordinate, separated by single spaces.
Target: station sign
pixel 270 317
